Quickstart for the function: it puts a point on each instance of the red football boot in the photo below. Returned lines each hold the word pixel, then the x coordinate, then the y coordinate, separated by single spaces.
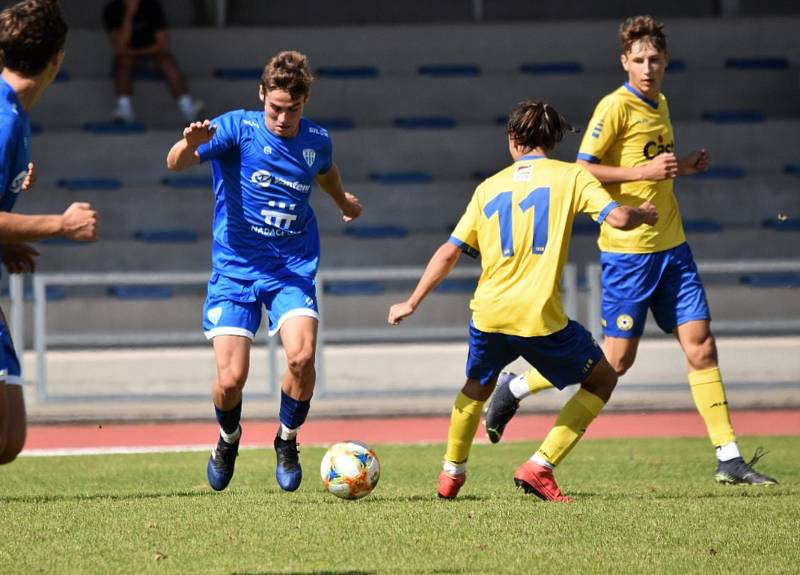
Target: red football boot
pixel 450 484
pixel 539 480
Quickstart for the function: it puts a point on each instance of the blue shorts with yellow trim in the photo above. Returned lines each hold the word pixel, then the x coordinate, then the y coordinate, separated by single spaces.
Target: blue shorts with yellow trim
pixel 233 306
pixel 666 282
pixel 563 358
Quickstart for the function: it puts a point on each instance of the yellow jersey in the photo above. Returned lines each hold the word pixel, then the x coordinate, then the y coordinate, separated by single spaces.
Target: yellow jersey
pixel 520 222
pixel 628 130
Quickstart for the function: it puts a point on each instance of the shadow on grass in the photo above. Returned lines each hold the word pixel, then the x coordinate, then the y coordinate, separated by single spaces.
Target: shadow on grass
pixel 304 573
pixel 101 497
pixel 728 493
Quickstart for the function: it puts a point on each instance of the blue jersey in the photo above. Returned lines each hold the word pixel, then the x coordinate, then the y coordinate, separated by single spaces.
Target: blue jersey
pixel 263 225
pixel 15 148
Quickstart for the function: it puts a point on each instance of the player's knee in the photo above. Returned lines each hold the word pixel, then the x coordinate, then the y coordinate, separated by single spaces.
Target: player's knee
pixel 300 361
pixel 602 381
pixel 620 365
pixel 231 378
pixel 702 354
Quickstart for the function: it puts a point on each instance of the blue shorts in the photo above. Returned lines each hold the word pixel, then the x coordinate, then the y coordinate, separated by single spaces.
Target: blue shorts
pixel 563 358
pixel 666 282
pixel 9 363
pixel 233 306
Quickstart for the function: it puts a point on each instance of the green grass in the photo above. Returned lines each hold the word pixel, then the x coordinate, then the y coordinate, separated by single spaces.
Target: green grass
pixel 643 506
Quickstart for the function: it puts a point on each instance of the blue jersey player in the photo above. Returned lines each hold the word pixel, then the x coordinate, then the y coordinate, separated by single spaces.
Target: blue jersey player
pixel 265 250
pixel 32 35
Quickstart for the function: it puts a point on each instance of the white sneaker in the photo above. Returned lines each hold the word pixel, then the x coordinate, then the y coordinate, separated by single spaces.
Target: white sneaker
pixel 195 112
pixel 122 116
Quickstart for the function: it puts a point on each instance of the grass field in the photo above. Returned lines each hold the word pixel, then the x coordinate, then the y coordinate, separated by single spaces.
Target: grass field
pixel 644 506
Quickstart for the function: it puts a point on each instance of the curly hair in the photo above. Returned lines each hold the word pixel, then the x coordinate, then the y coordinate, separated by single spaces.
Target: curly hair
pixel 31 33
pixel 288 71
pixel 536 124
pixel 642 28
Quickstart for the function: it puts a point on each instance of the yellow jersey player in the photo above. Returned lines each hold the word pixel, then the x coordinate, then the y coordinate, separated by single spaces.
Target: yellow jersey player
pixel 519 221
pixel 630 148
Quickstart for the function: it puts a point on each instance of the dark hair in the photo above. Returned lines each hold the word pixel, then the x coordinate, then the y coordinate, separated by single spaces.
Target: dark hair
pixel 642 28
pixel 288 71
pixel 31 33
pixel 534 124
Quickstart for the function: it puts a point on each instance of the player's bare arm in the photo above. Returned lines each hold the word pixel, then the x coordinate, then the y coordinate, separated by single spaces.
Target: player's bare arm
pixel 78 222
pixel 662 167
pixel 697 161
pixel 439 267
pixel 628 218
pixel 331 183
pixel 183 154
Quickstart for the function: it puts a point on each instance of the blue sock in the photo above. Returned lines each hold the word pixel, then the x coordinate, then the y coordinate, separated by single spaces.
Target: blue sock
pixel 229 420
pixel 293 411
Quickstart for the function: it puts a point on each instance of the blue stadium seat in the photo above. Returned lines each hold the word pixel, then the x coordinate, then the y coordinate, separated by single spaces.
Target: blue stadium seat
pixel 62 76
pixel 481 175
pixel 36 129
pixel 734 116
pixel 51 293
pixel 59 241
pixel 113 128
pixel 449 70
pixel 425 122
pixel 395 178
pixel 771 280
pixel 175 235
pixel 676 65
pixel 457 285
pixel 550 68
pixel 74 184
pixel 354 288
pixel 585 226
pixel 757 63
pixel 238 73
pixel 782 224
pixel 702 226
pixel 792 169
pixel 341 123
pixel 372 232
pixel 186 181
pixel 347 72
pixel 722 172
pixel 140 292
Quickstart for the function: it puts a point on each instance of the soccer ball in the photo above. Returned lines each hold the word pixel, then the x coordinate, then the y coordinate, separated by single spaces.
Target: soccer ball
pixel 350 470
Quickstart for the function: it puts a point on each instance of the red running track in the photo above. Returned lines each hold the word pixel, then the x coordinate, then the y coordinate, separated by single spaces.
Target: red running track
pixel 153 436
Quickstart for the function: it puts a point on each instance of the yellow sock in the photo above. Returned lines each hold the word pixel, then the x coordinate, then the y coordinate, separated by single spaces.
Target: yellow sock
pixel 536 381
pixel 709 397
pixel 464 421
pixel 571 424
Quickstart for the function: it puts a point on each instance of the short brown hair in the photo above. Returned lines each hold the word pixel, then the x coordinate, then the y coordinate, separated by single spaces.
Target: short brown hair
pixel 31 33
pixel 642 28
pixel 288 71
pixel 536 124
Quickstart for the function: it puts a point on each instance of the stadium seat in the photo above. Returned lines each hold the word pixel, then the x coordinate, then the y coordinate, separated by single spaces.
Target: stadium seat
pixel 36 129
pixel 140 292
pixel 113 128
pixel 771 280
pixel 585 226
pixel 425 122
pixel 186 181
pixel 348 72
pixel 62 76
pixel 758 63
pixel 792 169
pixel 51 293
pixel 74 184
pixel 676 65
pixel 702 226
pixel 369 232
pixel 176 235
pixel 734 116
pixel 550 68
pixel 782 224
pixel 395 178
pixel 354 288
pixel 333 124
pixel 457 285
pixel 723 172
pixel 449 70
pixel 238 73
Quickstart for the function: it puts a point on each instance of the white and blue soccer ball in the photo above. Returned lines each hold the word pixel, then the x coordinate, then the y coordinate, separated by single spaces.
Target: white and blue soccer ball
pixel 350 470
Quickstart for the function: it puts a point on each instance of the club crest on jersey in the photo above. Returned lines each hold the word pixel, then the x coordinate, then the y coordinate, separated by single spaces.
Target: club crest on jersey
pixel 261 178
pixel 16 183
pixel 309 156
pixel 522 173
pixel 624 322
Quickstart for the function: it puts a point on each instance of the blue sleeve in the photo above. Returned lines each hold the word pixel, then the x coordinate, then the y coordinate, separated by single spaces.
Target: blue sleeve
pixel 225 139
pixel 12 156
